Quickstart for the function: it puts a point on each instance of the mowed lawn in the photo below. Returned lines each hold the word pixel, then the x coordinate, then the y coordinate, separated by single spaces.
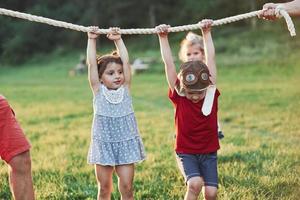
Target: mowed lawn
pixel 259 109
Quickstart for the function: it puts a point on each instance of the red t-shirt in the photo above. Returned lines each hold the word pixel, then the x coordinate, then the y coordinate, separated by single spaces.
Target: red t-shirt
pixel 195 133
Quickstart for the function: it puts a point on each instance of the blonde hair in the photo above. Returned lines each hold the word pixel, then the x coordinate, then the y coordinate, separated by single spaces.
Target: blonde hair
pixel 190 40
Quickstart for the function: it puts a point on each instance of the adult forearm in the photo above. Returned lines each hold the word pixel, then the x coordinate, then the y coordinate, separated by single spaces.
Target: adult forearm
pixel 293 7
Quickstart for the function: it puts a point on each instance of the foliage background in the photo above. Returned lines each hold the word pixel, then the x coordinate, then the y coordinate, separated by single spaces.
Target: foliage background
pixel 20 40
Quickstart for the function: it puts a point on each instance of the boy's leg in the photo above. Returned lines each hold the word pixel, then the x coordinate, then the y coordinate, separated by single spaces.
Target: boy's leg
pixel 188 165
pixel 20 178
pixel 104 181
pixel 210 176
pixel 194 186
pixel 125 174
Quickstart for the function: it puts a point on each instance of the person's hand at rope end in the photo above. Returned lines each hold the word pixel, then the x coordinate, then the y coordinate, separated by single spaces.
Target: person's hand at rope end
pixel 92 34
pixel 162 30
pixel 114 33
pixel 268 12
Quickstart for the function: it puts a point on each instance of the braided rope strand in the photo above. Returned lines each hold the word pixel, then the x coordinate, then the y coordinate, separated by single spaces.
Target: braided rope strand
pixel 288 20
pixel 75 27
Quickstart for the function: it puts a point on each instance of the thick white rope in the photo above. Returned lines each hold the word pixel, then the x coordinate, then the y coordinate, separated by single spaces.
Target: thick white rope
pixel 281 12
pixel 144 30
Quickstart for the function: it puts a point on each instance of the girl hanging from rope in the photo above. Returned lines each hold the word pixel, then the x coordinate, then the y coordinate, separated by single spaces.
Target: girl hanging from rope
pixel 195 98
pixel 192 48
pixel 115 143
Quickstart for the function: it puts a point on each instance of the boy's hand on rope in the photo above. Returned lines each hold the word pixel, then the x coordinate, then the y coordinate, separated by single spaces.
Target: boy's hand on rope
pixel 92 34
pixel 206 25
pixel 162 30
pixel 268 11
pixel 114 33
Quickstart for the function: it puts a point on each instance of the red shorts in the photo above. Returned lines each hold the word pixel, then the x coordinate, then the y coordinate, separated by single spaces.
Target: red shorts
pixel 12 138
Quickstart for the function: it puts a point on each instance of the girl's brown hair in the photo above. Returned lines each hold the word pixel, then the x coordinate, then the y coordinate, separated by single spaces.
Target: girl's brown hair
pixel 103 61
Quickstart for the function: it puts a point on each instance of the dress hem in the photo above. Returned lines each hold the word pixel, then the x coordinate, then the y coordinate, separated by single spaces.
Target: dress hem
pixel 110 164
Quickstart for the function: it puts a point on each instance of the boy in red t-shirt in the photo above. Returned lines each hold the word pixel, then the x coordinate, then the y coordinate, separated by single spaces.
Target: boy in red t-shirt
pixel 195 99
pixel 14 150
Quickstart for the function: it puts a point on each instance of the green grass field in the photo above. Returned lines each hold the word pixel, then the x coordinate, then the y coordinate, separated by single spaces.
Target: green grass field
pixel 259 110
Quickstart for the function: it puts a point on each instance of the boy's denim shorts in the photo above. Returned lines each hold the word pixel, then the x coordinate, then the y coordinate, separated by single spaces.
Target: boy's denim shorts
pixel 199 165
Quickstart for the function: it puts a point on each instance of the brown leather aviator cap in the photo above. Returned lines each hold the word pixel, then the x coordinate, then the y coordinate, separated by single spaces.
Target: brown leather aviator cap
pixel 193 76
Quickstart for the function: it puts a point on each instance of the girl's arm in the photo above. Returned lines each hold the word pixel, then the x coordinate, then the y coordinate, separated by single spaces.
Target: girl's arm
pixel 166 54
pixel 91 60
pixel 209 49
pixel 123 53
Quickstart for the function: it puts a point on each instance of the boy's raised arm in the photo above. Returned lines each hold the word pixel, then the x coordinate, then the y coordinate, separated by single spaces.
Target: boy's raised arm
pixel 209 49
pixel 166 54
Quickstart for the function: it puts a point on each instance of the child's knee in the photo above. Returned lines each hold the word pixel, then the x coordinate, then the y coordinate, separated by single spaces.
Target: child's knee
pixel 126 188
pixel 195 185
pixel 210 193
pixel 104 189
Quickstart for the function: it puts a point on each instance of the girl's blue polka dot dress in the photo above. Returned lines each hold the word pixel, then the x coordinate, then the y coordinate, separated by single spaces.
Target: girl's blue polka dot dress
pixel 115 136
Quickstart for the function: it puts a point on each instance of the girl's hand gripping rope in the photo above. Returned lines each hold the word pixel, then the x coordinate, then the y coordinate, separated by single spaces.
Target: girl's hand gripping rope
pixel 92 34
pixel 114 34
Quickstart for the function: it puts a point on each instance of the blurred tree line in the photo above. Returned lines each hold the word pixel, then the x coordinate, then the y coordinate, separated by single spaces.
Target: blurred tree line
pixel 20 39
